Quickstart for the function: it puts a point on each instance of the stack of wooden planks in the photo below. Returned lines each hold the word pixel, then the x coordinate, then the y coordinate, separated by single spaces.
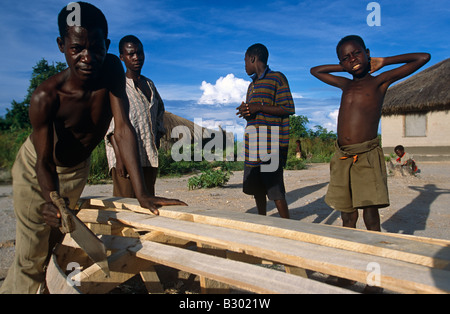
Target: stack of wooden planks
pixel 231 245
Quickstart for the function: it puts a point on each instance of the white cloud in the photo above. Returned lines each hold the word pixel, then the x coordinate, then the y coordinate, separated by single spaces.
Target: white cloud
pixel 319 111
pixel 324 118
pixel 334 115
pixel 227 90
pixel 331 125
pixel 296 95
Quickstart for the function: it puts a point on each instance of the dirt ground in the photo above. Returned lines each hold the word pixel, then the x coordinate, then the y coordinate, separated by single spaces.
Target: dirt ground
pixel 419 205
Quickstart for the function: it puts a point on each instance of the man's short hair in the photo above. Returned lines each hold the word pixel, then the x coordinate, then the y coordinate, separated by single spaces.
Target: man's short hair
pixel 354 38
pixel 260 51
pixel 128 39
pixel 91 18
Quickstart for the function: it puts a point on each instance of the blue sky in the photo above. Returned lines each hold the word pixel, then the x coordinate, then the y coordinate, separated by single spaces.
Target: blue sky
pixel 195 49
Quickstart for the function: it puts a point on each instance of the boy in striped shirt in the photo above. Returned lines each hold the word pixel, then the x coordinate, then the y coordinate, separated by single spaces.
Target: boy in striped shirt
pixel 267 108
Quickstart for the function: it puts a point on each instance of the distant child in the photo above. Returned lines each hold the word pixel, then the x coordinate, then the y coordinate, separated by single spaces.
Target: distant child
pixel 298 149
pixel 267 108
pixel 358 176
pixel 405 160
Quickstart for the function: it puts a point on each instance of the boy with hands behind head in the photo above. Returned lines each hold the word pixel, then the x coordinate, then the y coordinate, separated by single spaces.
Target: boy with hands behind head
pixel 357 171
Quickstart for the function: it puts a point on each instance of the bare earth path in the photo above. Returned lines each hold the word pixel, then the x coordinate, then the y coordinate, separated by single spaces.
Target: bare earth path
pixel 419 205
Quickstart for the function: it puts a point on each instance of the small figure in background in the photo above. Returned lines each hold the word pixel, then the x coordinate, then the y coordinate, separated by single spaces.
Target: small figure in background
pixel 405 162
pixel 298 150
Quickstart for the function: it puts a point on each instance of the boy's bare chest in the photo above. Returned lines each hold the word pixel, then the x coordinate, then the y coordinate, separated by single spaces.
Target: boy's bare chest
pixel 362 95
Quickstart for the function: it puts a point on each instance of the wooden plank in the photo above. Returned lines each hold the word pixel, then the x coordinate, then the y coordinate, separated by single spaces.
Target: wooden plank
pixel 409 249
pixel 123 266
pixel 207 285
pixel 100 216
pixel 151 280
pixel 378 244
pixel 441 247
pixel 56 279
pixel 395 275
pixel 70 252
pixel 241 275
pixel 296 271
pixel 411 237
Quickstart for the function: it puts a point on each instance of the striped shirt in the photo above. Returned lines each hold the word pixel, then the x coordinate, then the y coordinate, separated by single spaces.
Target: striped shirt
pixel 272 89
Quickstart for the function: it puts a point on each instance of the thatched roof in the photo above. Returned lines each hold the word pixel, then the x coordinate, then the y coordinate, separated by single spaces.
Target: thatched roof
pixel 428 90
pixel 171 121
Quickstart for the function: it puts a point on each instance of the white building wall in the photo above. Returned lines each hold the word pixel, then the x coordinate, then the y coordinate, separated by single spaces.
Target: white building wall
pixel 437 131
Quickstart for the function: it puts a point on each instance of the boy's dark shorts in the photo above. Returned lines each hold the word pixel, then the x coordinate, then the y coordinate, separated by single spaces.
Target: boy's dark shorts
pixel 264 183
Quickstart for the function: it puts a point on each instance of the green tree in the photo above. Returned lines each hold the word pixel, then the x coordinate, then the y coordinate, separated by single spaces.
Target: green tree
pixel 322 133
pixel 17 117
pixel 298 126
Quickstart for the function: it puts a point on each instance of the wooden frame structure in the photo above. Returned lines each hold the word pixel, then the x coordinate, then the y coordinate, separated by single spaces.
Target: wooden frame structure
pixel 227 245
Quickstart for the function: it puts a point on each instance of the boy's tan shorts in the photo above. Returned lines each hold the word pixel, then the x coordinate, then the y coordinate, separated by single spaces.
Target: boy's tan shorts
pixel 358 177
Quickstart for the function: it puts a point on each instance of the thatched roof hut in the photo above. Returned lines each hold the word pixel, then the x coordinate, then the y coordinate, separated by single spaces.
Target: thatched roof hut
pixel 426 91
pixel 416 113
pixel 171 121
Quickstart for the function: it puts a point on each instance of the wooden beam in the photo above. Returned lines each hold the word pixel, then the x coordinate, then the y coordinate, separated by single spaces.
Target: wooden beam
pixel 241 275
pixel 296 271
pixel 395 275
pixel 207 285
pixel 56 279
pixel 411 249
pixel 151 280
pixel 122 264
pixel 358 248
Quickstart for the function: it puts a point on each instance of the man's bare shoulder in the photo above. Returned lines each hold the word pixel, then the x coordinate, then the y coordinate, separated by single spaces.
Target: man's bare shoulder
pixel 47 92
pixel 114 75
pixel 112 64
